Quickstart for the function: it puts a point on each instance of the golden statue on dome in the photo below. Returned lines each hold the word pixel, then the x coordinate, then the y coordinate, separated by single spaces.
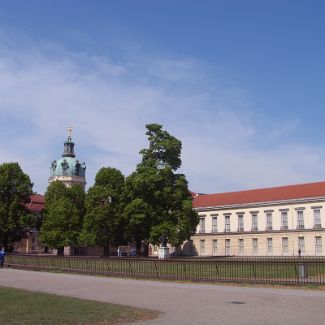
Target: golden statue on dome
pixel 70 131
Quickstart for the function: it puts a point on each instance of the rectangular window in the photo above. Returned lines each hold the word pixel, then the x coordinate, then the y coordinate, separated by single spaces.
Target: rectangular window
pixel 240 222
pixel 202 247
pixel 317 219
pixel 318 245
pixel 300 219
pixel 255 246
pixel 240 246
pixel 254 221
pixel 285 245
pixel 269 221
pixel 227 223
pixel 214 224
pixel 284 220
pixel 215 246
pixel 269 245
pixel 227 246
pixel 301 245
pixel 202 225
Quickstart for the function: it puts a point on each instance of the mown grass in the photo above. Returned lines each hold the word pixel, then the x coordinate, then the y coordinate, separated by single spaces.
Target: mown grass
pixel 20 307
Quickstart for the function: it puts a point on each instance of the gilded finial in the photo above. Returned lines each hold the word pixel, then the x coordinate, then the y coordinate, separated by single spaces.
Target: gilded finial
pixel 69 131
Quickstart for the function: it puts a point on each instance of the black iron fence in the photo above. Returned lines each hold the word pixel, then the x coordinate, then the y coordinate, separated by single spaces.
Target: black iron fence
pixel 289 270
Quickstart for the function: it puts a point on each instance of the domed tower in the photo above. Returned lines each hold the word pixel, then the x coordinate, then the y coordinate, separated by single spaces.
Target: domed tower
pixel 68 169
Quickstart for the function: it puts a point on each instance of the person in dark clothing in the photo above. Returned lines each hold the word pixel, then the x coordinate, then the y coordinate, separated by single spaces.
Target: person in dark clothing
pixel 2 257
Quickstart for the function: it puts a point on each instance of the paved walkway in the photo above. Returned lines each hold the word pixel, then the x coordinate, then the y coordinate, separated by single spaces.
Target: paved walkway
pixel 183 304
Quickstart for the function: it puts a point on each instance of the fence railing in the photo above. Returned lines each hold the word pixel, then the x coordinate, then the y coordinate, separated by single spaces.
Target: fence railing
pixel 289 270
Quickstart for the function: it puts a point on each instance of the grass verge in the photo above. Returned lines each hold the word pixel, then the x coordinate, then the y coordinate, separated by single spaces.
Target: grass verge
pixel 29 308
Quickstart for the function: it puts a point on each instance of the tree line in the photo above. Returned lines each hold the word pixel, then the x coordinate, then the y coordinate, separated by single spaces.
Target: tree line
pixel 116 210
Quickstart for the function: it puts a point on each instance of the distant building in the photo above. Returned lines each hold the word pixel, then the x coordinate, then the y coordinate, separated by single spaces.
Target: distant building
pixel 68 169
pixel 277 221
pixel 31 244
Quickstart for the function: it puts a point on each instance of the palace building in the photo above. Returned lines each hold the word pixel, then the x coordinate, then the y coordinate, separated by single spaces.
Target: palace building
pixel 277 221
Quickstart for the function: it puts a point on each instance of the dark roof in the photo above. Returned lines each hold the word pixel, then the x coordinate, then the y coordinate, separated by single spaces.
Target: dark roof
pixel 271 194
pixel 36 203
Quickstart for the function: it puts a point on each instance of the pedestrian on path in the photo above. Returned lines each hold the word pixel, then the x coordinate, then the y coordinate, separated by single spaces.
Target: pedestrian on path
pixel 2 257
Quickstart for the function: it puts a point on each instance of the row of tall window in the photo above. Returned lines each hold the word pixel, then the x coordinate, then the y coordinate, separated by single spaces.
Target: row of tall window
pixel 254 221
pixel 254 249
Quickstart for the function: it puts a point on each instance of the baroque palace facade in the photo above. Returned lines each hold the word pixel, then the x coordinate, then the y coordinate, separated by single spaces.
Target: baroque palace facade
pixel 277 221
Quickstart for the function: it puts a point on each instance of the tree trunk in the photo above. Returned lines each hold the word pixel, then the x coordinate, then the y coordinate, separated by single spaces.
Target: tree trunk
pixel 5 245
pixel 60 251
pixel 106 251
pixel 138 247
pixel 146 249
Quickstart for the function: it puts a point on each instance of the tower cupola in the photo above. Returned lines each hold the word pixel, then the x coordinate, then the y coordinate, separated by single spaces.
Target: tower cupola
pixel 69 145
pixel 68 169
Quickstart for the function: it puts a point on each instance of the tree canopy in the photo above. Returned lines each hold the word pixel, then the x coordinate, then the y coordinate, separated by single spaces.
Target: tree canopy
pixel 158 199
pixel 63 216
pixel 153 201
pixel 104 224
pixel 164 149
pixel 15 191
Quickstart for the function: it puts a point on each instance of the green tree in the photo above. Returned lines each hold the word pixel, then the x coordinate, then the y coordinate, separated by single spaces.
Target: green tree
pixel 63 216
pixel 158 199
pixel 104 224
pixel 15 191
pixel 77 196
pixel 164 149
pixel 61 225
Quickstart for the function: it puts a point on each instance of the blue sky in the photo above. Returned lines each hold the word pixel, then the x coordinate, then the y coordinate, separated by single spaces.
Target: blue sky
pixel 240 83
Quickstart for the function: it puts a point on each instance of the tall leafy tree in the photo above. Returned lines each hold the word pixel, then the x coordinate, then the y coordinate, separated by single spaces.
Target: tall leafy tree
pixel 61 225
pixel 77 197
pixel 63 216
pixel 158 199
pixel 104 224
pixel 15 191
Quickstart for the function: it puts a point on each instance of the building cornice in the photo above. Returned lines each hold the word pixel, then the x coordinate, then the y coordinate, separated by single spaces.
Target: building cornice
pixel 260 204
pixel 241 233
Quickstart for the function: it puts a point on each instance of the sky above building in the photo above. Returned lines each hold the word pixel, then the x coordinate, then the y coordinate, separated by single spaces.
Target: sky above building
pixel 240 83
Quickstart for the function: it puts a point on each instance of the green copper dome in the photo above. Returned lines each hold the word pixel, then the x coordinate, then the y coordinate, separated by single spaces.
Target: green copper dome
pixel 68 165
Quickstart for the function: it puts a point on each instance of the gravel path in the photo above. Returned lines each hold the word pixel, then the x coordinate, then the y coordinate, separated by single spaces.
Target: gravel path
pixel 183 304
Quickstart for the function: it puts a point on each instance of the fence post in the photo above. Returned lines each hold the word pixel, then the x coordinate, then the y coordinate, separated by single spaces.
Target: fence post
pixel 303 270
pixel 38 264
pixel 157 273
pixel 217 270
pixel 254 270
pixel 131 271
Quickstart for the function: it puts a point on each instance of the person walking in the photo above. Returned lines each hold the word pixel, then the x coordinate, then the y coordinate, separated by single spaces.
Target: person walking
pixel 2 257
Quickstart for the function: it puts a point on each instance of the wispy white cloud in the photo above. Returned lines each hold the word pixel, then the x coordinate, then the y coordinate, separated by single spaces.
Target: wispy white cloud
pixel 225 143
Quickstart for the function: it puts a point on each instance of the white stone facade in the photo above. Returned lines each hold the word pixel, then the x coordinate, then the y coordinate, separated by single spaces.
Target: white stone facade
pixel 274 228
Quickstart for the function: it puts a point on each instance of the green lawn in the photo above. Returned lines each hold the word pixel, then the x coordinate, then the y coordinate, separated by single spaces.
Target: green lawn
pixel 19 307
